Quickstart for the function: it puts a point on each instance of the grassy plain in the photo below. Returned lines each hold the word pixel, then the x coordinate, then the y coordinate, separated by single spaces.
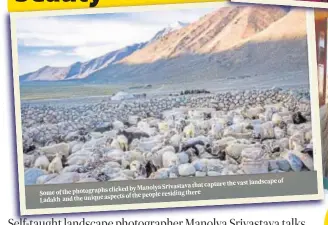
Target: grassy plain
pixel 63 91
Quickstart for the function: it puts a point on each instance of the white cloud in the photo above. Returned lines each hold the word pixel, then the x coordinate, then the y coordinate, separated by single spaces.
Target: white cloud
pixel 88 52
pixel 121 30
pixel 51 32
pixel 62 40
pixel 49 52
pixel 167 17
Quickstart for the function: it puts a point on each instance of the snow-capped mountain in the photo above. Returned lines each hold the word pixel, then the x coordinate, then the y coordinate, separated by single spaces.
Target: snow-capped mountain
pixel 173 27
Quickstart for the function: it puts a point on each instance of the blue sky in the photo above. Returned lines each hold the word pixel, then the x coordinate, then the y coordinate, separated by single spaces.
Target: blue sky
pixel 63 40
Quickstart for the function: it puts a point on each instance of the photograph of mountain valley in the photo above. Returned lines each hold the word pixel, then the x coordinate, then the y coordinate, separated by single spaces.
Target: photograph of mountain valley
pixel 164 93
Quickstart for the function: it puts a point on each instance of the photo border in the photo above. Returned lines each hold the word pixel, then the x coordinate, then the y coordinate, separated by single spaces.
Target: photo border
pixel 316 128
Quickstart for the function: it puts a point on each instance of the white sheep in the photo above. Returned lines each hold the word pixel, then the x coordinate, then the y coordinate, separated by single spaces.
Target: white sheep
pixel 118 125
pixel 202 125
pixel 191 113
pixel 285 113
pixel 110 133
pixel 237 119
pixel 273 108
pixel 252 112
pixel 143 125
pixel 28 160
pixel 154 158
pixel 120 142
pixel 220 145
pixel 114 155
pixel 267 130
pixel 217 114
pixel 84 152
pixel 296 140
pixel 77 147
pixel 135 165
pixel 175 140
pixel 267 115
pixel 234 130
pixel 134 144
pixel 132 156
pixel 170 159
pixel 234 149
pixel 167 148
pixel 56 164
pixel 276 119
pixel 52 150
pixel 179 124
pixel 308 136
pixel 96 135
pixel 189 131
pixel 95 142
pixel 279 133
pixel 163 127
pixel 263 117
pixel 149 143
pixel 284 143
pixel 291 129
pixel 151 131
pixel 133 119
pixel 42 162
pixel 78 159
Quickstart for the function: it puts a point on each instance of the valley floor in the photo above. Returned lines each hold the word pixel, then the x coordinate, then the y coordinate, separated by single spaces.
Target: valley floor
pixel 70 93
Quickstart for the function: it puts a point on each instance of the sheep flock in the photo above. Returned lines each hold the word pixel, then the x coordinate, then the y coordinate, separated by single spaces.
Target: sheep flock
pixel 180 142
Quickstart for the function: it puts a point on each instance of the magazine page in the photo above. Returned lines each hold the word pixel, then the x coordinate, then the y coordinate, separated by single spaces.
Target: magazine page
pixel 171 105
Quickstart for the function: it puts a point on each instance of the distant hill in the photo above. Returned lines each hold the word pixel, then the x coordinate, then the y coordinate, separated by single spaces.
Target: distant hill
pixel 81 70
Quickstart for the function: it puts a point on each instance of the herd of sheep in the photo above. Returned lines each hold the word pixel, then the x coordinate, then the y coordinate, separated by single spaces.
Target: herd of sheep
pixel 182 142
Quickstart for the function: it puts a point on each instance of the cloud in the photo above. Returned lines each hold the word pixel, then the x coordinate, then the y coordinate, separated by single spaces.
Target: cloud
pixel 51 32
pixel 61 40
pixel 88 52
pixel 120 30
pixel 167 17
pixel 49 52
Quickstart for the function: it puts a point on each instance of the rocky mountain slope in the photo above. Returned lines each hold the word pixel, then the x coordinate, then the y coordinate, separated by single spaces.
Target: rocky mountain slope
pixel 231 42
pixel 213 33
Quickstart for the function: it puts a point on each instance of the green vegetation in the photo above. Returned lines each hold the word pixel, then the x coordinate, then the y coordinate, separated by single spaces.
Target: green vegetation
pixel 61 91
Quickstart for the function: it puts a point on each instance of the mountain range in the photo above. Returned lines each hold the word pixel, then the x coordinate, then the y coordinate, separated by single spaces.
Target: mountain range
pixel 80 70
pixel 233 40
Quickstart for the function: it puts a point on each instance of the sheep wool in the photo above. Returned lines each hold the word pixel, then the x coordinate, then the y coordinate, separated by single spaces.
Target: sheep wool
pixel 56 164
pixel 42 162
